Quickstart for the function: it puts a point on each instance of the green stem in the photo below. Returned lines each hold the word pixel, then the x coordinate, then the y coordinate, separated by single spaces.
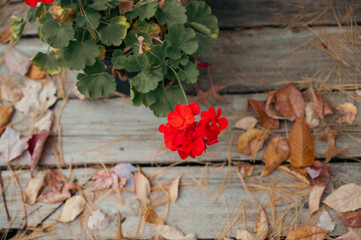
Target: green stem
pixel 180 84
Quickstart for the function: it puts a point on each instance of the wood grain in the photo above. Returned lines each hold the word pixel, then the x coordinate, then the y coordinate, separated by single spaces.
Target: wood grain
pixel 197 210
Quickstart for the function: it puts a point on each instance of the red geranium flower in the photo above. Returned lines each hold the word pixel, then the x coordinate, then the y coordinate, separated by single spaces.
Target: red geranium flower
pixel 189 137
pixel 33 3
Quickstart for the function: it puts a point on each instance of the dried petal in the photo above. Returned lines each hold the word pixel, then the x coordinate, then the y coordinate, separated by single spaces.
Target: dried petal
pixel 36 145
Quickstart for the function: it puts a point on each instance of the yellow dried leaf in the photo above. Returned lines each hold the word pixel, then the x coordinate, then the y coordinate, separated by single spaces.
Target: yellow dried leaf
pixel 299 173
pixel 265 120
pixel 315 198
pixel 34 187
pixel 302 144
pixel 5 115
pixel 151 217
pixel 142 187
pixel 35 73
pixel 276 152
pixel 250 142
pixel 246 123
pixel 306 233
pixel 345 199
pixel 244 168
pixel 345 112
pixel 71 209
pixel 173 189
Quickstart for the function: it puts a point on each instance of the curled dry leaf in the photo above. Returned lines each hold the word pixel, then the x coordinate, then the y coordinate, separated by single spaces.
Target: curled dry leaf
pixel 345 112
pixel 34 187
pixel 17 62
pixel 325 222
pixel 306 233
pixel 302 144
pixel 351 219
pixel 311 117
pixel 151 217
pixel 245 235
pixel 345 199
pixel 5 116
pixel 172 233
pixel 349 236
pixel 11 93
pixel 173 189
pixel 246 123
pixel 299 173
pixel 319 172
pixel 11 145
pixel 35 73
pixel 315 198
pixel 329 136
pixel 5 35
pixel 320 107
pixel 36 145
pixel 276 152
pixel 44 123
pixel 245 168
pixel 286 103
pixel 98 220
pixel 126 6
pixel 71 209
pixel 261 226
pixel 265 120
pixel 103 180
pixel 251 141
pixel 142 187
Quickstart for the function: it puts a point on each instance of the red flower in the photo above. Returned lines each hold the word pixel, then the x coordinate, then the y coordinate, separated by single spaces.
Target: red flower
pixel 189 137
pixel 33 3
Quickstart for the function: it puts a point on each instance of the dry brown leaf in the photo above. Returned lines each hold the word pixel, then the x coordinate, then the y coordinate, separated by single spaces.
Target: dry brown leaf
pixel 35 73
pixel 151 217
pixel 11 93
pixel 34 187
pixel 11 145
pixel 351 219
pixel 315 198
pixel 346 198
pixel 245 168
pixel 276 152
pixel 245 235
pixel 345 112
pixel 320 107
pixel 311 117
pixel 119 235
pixel 173 189
pixel 246 123
pixel 142 187
pixel 6 35
pixel 302 144
pixel 325 222
pixel 306 233
pixel 251 141
pixel 261 226
pixel 349 236
pixel 319 172
pixel 329 136
pixel 299 173
pixel 5 116
pixel 126 6
pixel 286 103
pixel 36 145
pixel 265 120
pixel 172 233
pixel 71 209
pixel 17 62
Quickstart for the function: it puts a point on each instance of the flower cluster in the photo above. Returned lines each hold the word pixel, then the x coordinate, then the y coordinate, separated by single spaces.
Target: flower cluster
pixel 184 134
pixel 33 3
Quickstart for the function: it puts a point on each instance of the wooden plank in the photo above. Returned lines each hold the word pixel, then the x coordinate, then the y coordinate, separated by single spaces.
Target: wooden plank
pixel 262 60
pixel 37 212
pixel 199 211
pixel 88 125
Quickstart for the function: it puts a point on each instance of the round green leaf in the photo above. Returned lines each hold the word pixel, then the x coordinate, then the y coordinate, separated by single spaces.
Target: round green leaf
pixel 96 85
pixel 58 36
pixel 78 54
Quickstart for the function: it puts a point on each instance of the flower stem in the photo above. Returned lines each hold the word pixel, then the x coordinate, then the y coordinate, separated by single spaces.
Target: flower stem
pixel 180 84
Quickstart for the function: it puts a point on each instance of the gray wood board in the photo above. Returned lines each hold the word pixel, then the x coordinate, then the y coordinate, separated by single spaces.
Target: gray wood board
pixel 264 59
pixel 90 124
pixel 197 210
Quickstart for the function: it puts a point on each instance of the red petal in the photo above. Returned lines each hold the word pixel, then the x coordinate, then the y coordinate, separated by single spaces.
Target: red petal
pixel 31 3
pixel 183 155
pixel 47 1
pixel 198 147
pixel 175 119
pixel 223 123
pixel 161 128
pixel 195 108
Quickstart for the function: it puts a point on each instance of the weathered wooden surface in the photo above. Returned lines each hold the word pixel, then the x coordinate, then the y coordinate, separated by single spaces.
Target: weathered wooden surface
pixel 261 60
pixel 87 125
pixel 197 209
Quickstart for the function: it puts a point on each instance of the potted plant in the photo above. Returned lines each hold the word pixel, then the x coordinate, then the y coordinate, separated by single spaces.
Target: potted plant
pixel 151 43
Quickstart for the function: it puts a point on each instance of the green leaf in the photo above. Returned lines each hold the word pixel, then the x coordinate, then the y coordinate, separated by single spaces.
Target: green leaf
pixel 147 99
pixel 156 56
pixel 46 16
pixel 46 62
pixel 73 4
pixel 143 10
pixel 115 32
pixel 176 62
pixel 100 4
pixel 200 12
pixel 78 54
pixel 118 59
pixel 148 77
pixel 95 82
pixel 131 40
pixel 205 45
pixel 146 27
pixel 16 27
pixel 180 39
pixel 172 13
pixel 58 36
pixel 190 73
pixel 33 13
pixel 167 100
pixel 90 20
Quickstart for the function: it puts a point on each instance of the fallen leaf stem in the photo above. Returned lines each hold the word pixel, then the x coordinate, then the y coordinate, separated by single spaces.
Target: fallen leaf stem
pixel 4 198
